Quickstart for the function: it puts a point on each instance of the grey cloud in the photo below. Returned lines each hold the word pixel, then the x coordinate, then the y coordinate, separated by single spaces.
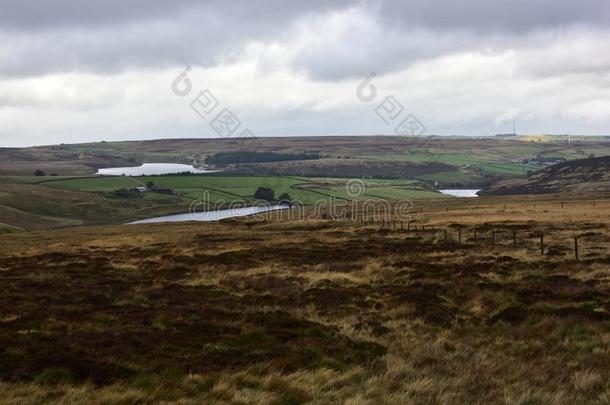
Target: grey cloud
pixel 485 15
pixel 41 37
pixel 37 14
pixel 422 29
pixel 110 36
pixel 435 14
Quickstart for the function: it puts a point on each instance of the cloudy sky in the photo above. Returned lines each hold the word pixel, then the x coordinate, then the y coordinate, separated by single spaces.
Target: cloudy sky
pixel 84 70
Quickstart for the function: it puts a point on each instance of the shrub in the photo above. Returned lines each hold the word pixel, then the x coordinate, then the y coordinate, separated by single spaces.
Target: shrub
pixel 39 173
pixel 264 193
pixel 284 198
pixel 123 193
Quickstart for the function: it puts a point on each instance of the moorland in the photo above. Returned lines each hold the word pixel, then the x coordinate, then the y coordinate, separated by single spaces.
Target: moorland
pixel 460 305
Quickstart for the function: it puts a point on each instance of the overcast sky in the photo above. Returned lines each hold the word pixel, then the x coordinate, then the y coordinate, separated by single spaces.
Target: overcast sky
pixel 83 70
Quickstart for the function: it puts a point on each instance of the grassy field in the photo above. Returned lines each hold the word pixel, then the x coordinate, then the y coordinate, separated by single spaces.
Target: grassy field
pixel 229 188
pixel 472 164
pixel 285 311
pixel 29 202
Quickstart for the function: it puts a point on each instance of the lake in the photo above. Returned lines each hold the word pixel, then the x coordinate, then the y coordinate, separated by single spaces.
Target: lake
pixel 461 193
pixel 209 216
pixel 151 169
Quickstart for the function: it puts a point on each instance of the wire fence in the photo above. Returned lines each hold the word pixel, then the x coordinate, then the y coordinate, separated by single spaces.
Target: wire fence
pixel 535 239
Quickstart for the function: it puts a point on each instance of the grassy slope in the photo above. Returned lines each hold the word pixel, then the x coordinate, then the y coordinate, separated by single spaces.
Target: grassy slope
pixel 473 162
pixel 32 206
pixel 584 175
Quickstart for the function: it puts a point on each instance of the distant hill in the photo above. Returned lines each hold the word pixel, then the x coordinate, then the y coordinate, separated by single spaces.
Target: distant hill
pixel 583 175
pixel 444 162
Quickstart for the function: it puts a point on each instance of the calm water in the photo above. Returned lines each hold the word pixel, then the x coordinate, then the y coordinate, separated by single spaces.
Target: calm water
pixel 461 193
pixel 149 169
pixel 212 215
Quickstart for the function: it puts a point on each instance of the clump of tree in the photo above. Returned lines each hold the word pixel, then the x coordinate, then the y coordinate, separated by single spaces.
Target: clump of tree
pixel 39 173
pixel 123 193
pixel 284 198
pixel 224 158
pixel 264 193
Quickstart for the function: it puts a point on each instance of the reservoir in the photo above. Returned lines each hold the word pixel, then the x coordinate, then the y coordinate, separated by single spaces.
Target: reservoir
pixel 208 216
pixel 151 169
pixel 461 193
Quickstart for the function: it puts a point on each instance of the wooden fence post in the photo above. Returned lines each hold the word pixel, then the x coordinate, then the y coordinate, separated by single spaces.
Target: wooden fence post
pixel 541 243
pixel 576 248
pixel 514 240
pixel 460 235
pixel 493 239
pixel 445 234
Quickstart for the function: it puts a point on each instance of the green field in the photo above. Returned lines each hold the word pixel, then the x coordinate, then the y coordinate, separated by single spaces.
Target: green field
pixel 230 189
pixel 29 202
pixel 447 177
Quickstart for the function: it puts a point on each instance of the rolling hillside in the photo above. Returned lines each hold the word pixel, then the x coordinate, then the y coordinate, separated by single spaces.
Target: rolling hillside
pixel 450 161
pixel 584 175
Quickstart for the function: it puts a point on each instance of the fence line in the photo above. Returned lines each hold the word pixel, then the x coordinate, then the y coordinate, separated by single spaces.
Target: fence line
pixel 517 241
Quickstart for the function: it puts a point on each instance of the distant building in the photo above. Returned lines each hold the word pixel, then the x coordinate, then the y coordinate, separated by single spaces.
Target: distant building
pixel 140 189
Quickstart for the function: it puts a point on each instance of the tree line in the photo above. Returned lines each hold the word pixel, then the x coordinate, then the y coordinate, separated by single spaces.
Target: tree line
pixel 223 158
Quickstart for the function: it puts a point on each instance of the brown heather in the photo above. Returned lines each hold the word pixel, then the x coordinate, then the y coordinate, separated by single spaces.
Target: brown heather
pixel 288 312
